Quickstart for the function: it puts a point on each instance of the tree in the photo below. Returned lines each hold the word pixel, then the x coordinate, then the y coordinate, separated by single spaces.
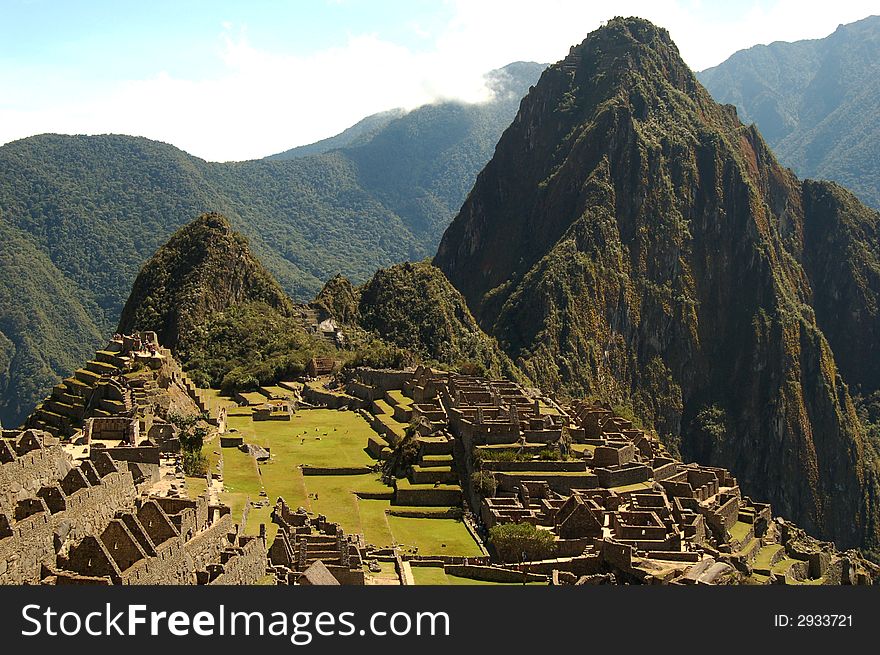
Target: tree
pixel 191 434
pixel 516 542
pixel 484 483
pixel 404 455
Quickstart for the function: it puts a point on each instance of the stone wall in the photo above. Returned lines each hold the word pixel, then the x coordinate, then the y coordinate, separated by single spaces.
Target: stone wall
pixel 82 503
pixel 427 497
pixel 493 573
pixel 383 379
pixel 335 470
pixel 25 546
pixel 113 428
pixel 535 465
pixel 559 482
pixel 363 391
pixel 241 565
pixel 331 400
pixel 22 475
pixel 624 475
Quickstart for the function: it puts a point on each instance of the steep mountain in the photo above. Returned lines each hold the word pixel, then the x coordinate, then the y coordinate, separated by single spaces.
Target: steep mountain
pixel 415 308
pixel 816 102
pixel 224 316
pixel 204 268
pixel 44 327
pixel 95 208
pixel 633 240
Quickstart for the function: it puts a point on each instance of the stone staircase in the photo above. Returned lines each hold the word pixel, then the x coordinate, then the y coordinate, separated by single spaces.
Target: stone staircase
pixel 63 412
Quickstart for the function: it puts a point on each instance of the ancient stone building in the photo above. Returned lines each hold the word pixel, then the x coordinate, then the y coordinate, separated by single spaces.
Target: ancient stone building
pixel 302 541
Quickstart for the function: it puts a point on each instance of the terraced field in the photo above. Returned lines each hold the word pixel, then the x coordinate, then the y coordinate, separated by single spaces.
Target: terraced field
pixel 328 439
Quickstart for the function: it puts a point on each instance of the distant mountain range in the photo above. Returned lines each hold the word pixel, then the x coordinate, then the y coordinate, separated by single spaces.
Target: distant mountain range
pixel 816 102
pixel 91 210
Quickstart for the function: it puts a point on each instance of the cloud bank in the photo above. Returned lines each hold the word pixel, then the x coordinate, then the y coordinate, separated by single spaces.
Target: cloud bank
pixel 265 101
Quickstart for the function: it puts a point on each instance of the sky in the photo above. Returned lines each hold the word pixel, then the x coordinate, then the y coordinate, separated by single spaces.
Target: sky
pixel 240 80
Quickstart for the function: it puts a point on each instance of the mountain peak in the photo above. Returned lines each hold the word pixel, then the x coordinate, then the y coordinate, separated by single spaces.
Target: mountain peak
pixel 632 239
pixel 626 45
pixel 205 267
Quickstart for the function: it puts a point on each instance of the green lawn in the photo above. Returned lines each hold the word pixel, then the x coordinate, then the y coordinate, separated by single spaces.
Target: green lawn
pixel 434 536
pixel 240 480
pixel 275 390
pixel 765 555
pixel 781 567
pixel 547 409
pixel 395 427
pixel 317 437
pixel 195 487
pixel 398 396
pixel 435 575
pixel 638 486
pixel 374 522
pixel 254 397
pixel 328 438
pixel 739 530
pixel 215 401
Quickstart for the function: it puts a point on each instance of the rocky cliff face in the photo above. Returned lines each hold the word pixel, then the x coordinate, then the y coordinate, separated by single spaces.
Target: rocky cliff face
pixel 632 239
pixel 204 268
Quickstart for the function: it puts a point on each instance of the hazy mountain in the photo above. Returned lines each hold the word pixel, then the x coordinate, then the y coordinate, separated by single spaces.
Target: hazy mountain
pixel 632 239
pixel 45 328
pixel 816 102
pixel 357 134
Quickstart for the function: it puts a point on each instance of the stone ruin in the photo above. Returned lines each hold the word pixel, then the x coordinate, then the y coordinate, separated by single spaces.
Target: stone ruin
pixel 165 541
pixel 90 523
pixel 303 541
pixel 615 501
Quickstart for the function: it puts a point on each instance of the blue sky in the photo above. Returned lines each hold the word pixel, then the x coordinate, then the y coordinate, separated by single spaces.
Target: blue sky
pixel 236 80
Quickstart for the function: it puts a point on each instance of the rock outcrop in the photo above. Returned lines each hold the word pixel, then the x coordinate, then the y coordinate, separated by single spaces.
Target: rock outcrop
pixel 632 239
pixel 204 268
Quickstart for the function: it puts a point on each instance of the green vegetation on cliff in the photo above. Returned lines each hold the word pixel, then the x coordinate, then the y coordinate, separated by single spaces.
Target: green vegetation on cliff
pixel 632 240
pixel 204 268
pixel 230 324
pixel 415 308
pixel 228 321
pixel 44 328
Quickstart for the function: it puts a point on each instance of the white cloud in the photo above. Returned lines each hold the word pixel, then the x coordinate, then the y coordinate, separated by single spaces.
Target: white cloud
pixel 264 102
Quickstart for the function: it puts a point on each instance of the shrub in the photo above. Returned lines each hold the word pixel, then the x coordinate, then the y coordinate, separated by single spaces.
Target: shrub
pixel 484 483
pixel 195 463
pixel 513 540
pixel 503 455
pixel 404 455
pixel 192 437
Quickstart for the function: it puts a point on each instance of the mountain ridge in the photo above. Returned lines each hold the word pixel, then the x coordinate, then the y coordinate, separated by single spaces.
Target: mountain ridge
pixel 814 100
pixel 98 207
